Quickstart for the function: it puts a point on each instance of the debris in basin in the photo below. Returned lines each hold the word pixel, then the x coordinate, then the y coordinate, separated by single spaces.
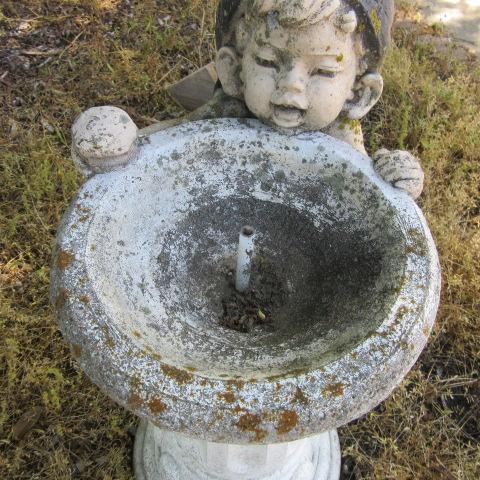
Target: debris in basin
pixel 243 311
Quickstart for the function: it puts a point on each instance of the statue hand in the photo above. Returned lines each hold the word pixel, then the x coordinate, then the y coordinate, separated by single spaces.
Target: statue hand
pixel 103 139
pixel 401 169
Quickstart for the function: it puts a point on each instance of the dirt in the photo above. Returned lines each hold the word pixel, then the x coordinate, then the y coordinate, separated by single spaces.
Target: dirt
pixel 244 311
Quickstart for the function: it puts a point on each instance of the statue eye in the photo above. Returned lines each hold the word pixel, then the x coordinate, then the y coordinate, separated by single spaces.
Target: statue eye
pixel 322 72
pixel 265 63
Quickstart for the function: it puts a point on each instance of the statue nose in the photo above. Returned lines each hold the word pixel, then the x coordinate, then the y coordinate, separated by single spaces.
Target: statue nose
pixel 293 80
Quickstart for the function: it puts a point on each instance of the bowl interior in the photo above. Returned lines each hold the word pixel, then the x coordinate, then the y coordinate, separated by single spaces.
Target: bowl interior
pixel 329 260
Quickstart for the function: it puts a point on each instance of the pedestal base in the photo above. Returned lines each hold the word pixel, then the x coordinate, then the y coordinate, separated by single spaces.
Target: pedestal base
pixel 161 455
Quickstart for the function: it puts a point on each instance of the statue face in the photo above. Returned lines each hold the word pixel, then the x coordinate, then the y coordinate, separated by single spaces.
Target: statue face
pixel 298 77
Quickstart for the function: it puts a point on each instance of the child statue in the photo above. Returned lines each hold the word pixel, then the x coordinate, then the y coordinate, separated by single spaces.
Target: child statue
pixel 309 65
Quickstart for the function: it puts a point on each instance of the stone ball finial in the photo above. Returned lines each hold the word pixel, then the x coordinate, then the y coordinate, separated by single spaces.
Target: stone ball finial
pixel 103 139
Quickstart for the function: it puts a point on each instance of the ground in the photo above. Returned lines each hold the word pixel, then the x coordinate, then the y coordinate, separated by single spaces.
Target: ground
pixel 461 17
pixel 59 57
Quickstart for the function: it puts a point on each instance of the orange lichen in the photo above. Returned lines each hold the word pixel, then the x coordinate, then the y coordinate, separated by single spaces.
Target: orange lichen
pixel 250 422
pixel 300 397
pixel 83 209
pixel 152 353
pixel 238 409
pixel 156 406
pixel 65 259
pixel 84 299
pixel 135 401
pixel 402 311
pixel 108 337
pixel 288 421
pixel 135 383
pixel 227 396
pixel 334 389
pixel 180 376
pixel 239 384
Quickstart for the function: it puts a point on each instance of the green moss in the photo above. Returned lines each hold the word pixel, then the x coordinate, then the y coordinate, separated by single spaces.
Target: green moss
pixel 377 23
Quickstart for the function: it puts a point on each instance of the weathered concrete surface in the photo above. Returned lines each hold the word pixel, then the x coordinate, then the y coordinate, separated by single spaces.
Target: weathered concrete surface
pixel 169 456
pixel 460 17
pixel 103 138
pixel 137 276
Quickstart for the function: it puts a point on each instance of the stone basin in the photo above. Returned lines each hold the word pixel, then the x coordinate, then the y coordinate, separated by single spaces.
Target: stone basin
pixel 141 269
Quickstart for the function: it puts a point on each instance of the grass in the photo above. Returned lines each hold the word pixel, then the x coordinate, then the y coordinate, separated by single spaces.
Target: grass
pixel 125 53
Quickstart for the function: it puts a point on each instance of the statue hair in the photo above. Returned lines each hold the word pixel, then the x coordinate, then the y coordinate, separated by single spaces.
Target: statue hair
pixel 296 12
pixel 370 21
pixel 301 13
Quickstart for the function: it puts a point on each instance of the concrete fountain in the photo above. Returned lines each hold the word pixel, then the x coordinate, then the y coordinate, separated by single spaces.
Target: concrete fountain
pixel 241 353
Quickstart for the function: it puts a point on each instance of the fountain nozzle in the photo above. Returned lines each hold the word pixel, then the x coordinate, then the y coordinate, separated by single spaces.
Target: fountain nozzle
pixel 244 258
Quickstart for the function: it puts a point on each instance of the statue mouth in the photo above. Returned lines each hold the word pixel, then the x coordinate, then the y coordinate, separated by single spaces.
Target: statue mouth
pixel 288 116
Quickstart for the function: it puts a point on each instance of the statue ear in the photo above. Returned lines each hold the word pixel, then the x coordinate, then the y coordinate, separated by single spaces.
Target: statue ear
pixel 366 92
pixel 228 69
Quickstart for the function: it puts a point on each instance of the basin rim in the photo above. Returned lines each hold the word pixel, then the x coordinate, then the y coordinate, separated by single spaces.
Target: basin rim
pixel 276 409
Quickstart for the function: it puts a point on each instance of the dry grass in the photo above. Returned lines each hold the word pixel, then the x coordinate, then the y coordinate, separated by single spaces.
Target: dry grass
pixel 125 53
